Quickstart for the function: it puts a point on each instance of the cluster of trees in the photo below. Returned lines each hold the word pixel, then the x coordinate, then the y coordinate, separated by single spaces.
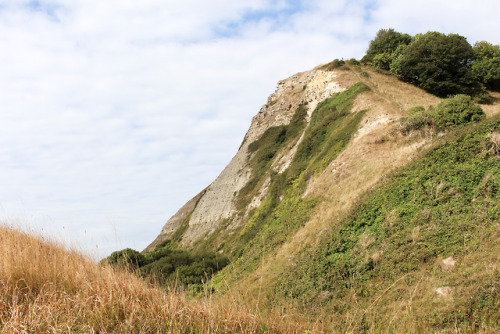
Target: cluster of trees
pixel 441 64
pixel 168 264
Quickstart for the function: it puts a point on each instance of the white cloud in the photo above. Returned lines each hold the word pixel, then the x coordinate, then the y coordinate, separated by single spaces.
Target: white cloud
pixel 475 20
pixel 114 113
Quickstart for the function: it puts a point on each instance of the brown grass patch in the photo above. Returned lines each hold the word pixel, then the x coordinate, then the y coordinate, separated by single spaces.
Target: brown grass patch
pixel 44 288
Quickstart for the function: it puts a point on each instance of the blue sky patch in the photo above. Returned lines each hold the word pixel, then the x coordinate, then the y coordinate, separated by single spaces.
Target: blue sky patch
pixel 277 15
pixel 49 9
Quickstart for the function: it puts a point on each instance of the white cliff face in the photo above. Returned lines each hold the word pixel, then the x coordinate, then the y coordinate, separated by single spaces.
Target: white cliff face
pixel 319 85
pixel 216 206
pixel 218 202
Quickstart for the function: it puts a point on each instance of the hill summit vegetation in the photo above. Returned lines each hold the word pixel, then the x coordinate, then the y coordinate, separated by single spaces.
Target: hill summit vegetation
pixel 441 64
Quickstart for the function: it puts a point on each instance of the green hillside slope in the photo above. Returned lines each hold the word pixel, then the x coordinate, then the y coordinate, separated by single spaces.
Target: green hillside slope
pixel 419 251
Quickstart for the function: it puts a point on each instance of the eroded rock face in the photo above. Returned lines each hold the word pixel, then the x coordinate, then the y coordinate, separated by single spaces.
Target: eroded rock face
pixel 217 203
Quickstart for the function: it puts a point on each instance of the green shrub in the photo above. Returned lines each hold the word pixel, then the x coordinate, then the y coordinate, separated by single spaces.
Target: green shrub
pixel 418 118
pixel 382 61
pixel 159 269
pixel 438 63
pixel 126 258
pixel 183 267
pixel 459 110
pixel 385 42
pixel 486 66
pixel 336 64
pixel 354 62
pixel 456 111
pixel 166 264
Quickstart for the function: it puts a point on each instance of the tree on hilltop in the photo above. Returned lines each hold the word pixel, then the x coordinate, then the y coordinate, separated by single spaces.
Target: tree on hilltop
pixel 486 66
pixel 382 47
pixel 438 63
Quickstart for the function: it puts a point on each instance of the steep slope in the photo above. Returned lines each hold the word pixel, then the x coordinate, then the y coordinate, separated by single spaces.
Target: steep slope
pixel 423 246
pixel 216 205
pixel 330 209
pixel 226 207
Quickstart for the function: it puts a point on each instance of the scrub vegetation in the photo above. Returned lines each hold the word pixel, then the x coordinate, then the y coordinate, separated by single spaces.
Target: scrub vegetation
pixel 389 252
pixel 457 111
pixel 170 266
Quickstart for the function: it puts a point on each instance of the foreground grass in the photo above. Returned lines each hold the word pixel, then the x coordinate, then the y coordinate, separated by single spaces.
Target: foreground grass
pixel 44 288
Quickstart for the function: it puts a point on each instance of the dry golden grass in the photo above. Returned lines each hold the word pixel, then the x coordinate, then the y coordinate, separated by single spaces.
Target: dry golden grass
pixel 493 108
pixel 44 288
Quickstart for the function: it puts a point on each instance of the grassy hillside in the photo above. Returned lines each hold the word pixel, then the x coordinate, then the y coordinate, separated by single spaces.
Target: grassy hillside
pixel 386 219
pixel 419 252
pixel 44 288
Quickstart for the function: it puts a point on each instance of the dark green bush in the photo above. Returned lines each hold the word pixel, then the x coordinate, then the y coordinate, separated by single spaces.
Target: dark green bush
pixel 336 64
pixel 160 268
pixel 183 267
pixel 418 118
pixel 486 66
pixel 127 258
pixel 438 63
pixel 382 61
pixel 354 62
pixel 166 264
pixel 385 43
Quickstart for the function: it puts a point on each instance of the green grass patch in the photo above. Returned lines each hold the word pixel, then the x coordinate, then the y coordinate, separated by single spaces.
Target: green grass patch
pixel 332 125
pixel 336 64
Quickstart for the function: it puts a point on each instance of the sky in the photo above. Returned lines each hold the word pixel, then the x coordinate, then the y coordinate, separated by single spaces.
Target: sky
pixel 114 113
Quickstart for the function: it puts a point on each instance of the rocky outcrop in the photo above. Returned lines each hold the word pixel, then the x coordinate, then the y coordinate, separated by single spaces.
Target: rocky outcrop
pixel 216 205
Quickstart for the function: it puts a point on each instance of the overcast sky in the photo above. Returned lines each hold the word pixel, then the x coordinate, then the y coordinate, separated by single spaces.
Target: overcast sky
pixel 114 113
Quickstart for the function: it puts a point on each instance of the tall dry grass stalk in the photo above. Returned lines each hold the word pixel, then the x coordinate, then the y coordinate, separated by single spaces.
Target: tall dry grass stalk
pixel 45 288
